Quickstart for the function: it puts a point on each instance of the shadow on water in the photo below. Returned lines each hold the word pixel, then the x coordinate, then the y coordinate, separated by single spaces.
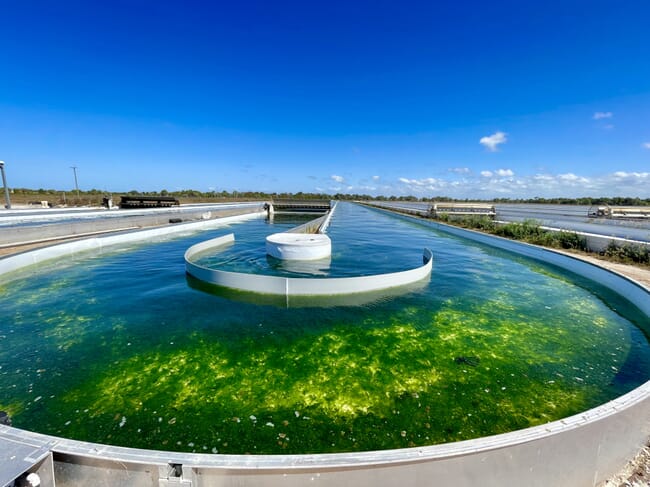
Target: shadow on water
pixel 319 267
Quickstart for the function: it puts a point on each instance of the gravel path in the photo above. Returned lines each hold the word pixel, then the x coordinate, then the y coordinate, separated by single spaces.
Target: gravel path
pixel 635 474
pixel 638 274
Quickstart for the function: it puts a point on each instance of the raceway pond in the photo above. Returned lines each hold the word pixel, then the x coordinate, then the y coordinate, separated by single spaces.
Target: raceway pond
pixel 118 347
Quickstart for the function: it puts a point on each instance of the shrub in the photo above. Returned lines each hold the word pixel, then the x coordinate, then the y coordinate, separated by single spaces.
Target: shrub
pixel 638 254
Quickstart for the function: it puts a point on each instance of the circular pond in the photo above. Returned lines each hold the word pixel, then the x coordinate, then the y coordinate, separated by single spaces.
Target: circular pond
pixel 116 347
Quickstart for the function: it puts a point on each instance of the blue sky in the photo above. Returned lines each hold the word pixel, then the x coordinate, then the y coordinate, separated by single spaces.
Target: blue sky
pixel 463 99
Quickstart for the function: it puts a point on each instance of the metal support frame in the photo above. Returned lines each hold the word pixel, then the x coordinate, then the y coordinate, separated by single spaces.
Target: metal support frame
pixel 4 183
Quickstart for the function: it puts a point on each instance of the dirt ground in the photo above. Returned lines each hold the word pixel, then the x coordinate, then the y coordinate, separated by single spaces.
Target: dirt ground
pixel 638 274
pixel 635 474
pixel 4 251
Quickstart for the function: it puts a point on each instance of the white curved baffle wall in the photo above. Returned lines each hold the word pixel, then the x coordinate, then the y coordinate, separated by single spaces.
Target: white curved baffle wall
pixel 297 286
pixel 579 451
pixel 299 246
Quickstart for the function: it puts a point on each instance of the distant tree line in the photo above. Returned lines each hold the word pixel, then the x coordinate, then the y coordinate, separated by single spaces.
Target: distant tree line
pixel 260 195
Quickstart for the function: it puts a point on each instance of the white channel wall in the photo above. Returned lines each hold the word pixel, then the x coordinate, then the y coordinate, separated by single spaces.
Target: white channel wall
pixel 598 243
pixel 296 286
pixel 318 225
pixel 582 450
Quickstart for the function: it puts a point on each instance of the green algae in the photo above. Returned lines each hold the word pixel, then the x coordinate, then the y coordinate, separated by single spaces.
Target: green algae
pixel 386 383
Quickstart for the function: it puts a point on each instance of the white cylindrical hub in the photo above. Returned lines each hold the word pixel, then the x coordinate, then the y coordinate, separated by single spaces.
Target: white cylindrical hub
pixel 298 246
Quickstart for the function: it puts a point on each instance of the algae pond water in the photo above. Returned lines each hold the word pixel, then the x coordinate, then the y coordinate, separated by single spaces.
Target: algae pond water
pixel 120 347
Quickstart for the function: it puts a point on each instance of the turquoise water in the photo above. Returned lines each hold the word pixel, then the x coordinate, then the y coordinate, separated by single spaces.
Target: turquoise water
pixel 117 347
pixel 359 247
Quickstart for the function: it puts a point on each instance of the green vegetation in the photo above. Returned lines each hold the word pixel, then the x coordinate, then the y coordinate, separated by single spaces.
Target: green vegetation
pixel 628 254
pixel 531 232
pixel 528 231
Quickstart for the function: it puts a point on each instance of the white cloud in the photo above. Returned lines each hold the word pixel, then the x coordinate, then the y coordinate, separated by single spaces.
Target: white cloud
pixel 631 175
pixel 492 141
pixel 419 182
pixel 572 179
pixel 421 186
pixel 543 177
pixel 601 115
pixel 506 183
pixel 338 179
pixel 375 178
pixel 460 170
pixel 646 145
pixel 365 187
pixel 568 177
pixel 501 173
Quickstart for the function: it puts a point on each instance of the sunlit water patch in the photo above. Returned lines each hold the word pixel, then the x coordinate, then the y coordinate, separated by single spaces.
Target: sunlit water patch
pixel 360 247
pixel 115 347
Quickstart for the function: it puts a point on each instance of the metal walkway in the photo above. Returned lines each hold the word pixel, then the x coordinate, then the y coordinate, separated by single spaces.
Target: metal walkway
pixel 299 206
pixel 20 456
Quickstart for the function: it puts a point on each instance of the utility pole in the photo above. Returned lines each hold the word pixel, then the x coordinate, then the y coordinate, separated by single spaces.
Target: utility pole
pixel 76 185
pixel 4 183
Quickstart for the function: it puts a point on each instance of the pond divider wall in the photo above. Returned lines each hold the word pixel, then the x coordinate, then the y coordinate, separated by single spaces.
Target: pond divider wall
pixel 317 225
pixel 581 450
pixel 17 261
pixel 598 243
pixel 118 220
pixel 297 286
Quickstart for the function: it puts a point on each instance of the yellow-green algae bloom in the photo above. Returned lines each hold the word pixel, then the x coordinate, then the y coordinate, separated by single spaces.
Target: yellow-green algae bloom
pixel 346 388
